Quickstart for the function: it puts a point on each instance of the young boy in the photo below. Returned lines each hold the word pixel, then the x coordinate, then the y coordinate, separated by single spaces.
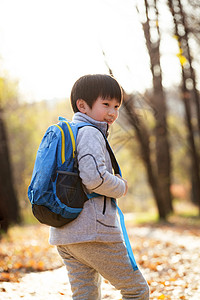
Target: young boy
pixel 92 245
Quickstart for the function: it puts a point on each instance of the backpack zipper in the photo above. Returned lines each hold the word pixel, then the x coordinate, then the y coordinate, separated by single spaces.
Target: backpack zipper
pixel 104 205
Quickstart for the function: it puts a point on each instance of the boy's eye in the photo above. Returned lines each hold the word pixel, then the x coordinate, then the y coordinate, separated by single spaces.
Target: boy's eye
pixel 106 104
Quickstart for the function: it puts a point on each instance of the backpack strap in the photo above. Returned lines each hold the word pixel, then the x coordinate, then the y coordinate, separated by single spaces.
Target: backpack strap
pixel 114 162
pixel 63 158
pixel 63 143
pixel 72 138
pixel 126 238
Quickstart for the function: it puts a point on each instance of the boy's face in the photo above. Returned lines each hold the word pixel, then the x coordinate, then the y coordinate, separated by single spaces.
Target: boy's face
pixel 103 110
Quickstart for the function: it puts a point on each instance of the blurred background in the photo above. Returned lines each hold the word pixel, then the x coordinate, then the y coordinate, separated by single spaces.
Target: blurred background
pixel 152 47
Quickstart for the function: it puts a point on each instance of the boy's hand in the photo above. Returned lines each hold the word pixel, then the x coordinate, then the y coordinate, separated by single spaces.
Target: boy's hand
pixel 126 183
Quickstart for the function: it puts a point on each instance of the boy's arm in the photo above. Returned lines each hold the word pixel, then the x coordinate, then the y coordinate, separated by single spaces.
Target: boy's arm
pixel 91 149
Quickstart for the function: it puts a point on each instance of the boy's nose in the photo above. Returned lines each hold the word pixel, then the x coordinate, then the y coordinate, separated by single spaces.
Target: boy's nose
pixel 111 113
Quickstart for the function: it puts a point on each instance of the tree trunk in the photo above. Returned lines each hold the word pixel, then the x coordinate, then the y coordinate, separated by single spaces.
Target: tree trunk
pixel 9 209
pixel 188 97
pixel 143 139
pixel 163 159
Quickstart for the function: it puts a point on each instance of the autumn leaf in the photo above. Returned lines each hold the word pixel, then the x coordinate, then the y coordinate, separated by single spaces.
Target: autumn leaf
pixel 40 265
pixel 22 250
pixel 183 60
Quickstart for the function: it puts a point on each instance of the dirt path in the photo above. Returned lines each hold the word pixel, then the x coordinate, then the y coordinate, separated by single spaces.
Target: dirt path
pixel 169 259
pixel 51 285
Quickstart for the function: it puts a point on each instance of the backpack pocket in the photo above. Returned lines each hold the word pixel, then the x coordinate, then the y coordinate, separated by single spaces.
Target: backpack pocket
pixel 69 189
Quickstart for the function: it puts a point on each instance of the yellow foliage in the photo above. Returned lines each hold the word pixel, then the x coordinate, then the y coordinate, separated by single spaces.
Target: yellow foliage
pixel 157 23
pixel 183 60
pixel 175 37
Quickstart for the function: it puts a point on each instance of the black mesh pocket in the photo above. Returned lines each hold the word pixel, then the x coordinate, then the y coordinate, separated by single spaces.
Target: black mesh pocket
pixel 69 189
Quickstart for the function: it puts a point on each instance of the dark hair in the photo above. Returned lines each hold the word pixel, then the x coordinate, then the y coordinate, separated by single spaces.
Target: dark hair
pixel 90 87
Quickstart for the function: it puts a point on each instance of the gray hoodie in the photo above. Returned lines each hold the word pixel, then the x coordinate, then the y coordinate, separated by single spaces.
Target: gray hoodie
pixel 96 222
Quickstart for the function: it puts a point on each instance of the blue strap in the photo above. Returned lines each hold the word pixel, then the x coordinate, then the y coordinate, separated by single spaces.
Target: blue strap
pixel 126 239
pixel 92 195
pixel 124 231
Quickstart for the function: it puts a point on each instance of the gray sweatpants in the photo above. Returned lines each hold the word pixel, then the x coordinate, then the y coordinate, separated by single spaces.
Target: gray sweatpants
pixel 85 261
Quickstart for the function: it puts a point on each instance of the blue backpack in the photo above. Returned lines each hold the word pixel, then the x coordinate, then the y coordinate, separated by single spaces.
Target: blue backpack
pixel 56 191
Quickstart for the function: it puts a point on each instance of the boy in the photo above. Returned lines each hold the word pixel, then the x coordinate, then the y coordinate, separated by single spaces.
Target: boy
pixel 92 245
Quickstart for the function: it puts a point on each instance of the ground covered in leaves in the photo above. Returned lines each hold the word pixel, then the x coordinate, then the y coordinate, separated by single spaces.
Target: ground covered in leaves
pixel 168 256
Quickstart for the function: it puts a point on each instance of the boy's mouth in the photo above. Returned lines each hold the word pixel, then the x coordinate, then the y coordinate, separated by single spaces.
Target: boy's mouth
pixel 109 122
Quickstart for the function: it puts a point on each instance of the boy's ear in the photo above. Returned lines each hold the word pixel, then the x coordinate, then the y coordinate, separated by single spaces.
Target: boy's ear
pixel 81 105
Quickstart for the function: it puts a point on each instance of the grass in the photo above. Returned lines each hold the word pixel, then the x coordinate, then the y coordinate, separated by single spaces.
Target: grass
pixel 28 217
pixel 185 214
pixel 139 218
